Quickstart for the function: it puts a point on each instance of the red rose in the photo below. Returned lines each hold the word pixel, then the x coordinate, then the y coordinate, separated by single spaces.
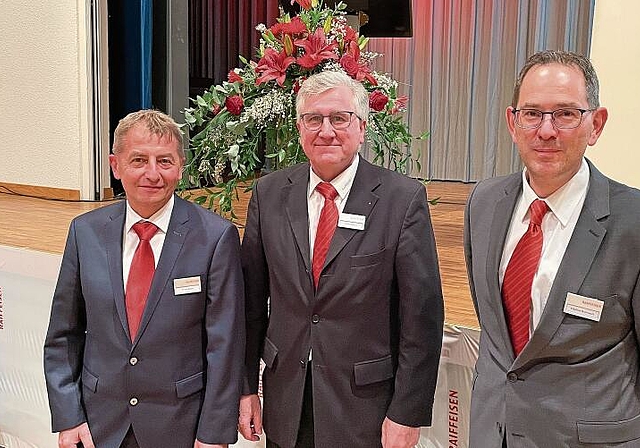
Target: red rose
pixel 350 65
pixel 234 77
pixel 216 109
pixel 378 100
pixel 234 104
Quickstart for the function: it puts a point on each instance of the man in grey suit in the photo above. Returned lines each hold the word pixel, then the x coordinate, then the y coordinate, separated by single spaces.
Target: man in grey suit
pixel 351 339
pixel 559 368
pixel 164 370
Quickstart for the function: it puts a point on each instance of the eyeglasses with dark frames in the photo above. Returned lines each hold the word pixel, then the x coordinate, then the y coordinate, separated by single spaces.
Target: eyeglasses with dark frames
pixel 565 118
pixel 338 120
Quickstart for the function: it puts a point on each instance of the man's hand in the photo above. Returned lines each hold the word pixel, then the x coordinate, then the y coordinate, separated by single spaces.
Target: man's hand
pixel 199 444
pixel 395 435
pixel 250 420
pixel 69 438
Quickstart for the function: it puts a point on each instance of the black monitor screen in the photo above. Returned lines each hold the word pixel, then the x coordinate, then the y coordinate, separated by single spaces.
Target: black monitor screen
pixel 387 18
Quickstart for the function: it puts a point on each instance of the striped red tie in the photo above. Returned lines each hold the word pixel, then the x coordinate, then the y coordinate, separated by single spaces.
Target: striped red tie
pixel 140 276
pixel 516 285
pixel 326 228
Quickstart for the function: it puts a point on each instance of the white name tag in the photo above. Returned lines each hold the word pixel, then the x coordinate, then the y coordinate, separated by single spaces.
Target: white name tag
pixel 349 221
pixel 187 285
pixel 583 307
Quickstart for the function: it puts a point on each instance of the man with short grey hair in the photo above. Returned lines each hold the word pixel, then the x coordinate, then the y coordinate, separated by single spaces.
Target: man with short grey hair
pixel 344 302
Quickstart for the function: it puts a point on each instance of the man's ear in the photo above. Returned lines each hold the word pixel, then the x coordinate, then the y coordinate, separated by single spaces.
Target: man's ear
pixel 113 162
pixel 511 122
pixel 599 119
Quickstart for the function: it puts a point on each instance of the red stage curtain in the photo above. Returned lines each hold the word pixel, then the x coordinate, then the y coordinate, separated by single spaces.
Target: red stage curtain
pixel 219 31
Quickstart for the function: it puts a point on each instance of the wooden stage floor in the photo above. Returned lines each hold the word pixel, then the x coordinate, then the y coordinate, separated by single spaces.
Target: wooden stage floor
pixel 41 225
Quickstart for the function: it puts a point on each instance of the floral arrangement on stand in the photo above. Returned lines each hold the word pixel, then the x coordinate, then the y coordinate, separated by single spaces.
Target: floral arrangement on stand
pixel 249 122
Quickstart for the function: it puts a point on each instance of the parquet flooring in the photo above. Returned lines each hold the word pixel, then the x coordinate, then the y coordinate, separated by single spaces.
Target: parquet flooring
pixel 42 225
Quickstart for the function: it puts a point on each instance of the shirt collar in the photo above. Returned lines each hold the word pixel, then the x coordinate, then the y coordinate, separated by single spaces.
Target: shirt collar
pixel 342 182
pixel 160 218
pixel 564 200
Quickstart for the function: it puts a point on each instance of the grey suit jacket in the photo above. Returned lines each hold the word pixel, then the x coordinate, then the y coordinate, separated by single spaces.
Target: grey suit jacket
pixel 374 324
pixel 181 377
pixel 576 382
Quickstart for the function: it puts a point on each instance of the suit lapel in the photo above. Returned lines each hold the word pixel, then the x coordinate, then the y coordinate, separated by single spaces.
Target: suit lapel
pixel 113 234
pixel 499 227
pixel 576 262
pixel 361 201
pixel 294 197
pixel 173 242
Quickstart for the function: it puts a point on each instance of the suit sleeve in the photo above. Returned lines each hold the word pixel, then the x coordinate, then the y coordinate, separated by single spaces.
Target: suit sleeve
pixel 255 270
pixel 421 317
pixel 224 323
pixel 468 255
pixel 64 343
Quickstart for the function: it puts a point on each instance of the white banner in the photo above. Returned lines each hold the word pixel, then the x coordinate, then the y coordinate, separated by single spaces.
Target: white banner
pixel 450 427
pixel 27 281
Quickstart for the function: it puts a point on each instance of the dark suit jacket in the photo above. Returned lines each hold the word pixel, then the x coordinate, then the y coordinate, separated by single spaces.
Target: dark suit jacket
pixel 576 382
pixel 185 366
pixel 374 324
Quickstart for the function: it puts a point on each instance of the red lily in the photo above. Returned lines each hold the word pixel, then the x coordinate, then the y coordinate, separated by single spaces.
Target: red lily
pixel 350 35
pixel 316 50
pixel 304 4
pixel 296 26
pixel 400 104
pixel 273 65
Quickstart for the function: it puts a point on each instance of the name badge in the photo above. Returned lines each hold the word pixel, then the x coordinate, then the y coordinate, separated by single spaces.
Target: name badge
pixel 583 307
pixel 349 221
pixel 187 285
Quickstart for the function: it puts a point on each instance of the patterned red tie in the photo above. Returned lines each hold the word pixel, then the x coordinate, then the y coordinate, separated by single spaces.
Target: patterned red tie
pixel 516 285
pixel 140 276
pixel 326 228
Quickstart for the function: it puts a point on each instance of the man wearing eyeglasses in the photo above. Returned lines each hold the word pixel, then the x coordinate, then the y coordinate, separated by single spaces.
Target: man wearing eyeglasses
pixel 344 302
pixel 553 257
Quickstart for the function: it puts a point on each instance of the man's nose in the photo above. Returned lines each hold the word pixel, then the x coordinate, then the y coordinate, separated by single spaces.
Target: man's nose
pixel 547 129
pixel 326 128
pixel 151 170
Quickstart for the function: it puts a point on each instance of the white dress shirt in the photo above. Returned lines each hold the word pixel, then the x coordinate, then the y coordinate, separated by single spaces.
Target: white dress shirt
pixel 565 206
pixel 315 201
pixel 130 241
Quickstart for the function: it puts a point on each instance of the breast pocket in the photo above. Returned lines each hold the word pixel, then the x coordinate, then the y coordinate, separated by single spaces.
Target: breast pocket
pixel 362 261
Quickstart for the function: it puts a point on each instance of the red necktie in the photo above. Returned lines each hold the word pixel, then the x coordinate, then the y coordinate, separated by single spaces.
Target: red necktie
pixel 326 228
pixel 140 276
pixel 516 285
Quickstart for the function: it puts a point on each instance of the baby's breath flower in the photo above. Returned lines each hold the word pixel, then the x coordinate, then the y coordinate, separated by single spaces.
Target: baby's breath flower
pixel 267 108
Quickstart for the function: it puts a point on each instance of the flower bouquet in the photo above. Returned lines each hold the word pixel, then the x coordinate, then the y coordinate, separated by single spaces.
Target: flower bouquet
pixel 248 123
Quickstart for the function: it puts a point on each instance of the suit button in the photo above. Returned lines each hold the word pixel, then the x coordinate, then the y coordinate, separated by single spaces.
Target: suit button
pixel 303 364
pixel 133 401
pixel 315 318
pixel 133 361
pixel 512 377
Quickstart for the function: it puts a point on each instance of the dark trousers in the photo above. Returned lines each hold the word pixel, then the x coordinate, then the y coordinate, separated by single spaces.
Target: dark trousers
pixel 305 431
pixel 129 440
